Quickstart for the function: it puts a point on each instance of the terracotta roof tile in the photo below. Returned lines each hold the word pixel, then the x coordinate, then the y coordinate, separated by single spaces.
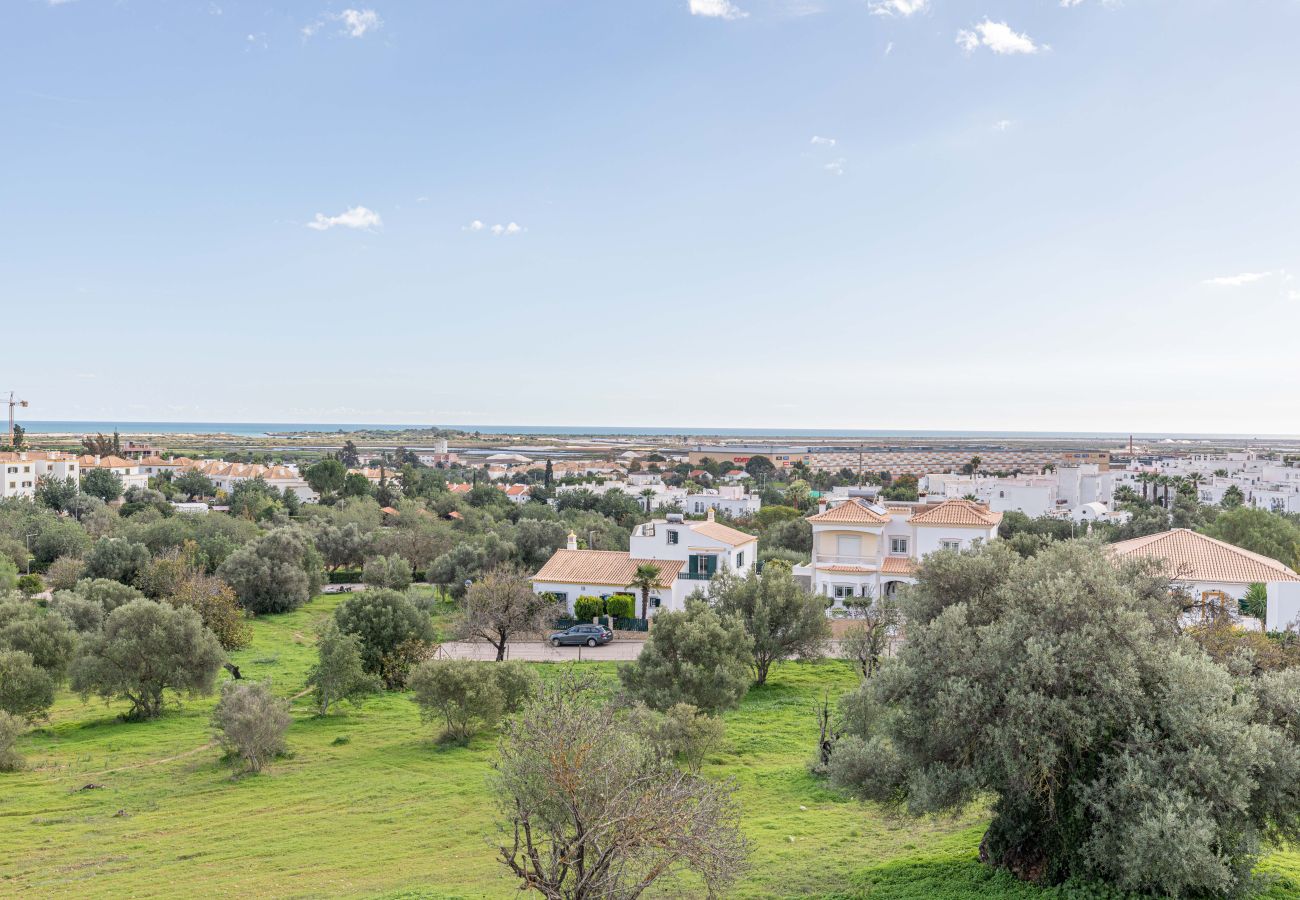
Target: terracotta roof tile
pixel 898 565
pixel 962 513
pixel 605 568
pixel 1197 557
pixel 853 511
pixel 719 532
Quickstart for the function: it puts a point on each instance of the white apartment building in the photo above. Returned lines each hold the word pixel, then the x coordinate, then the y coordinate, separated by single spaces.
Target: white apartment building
pixel 226 475
pixel 730 499
pixel 1263 483
pixel 687 555
pixel 1068 492
pixel 865 549
pixel 21 470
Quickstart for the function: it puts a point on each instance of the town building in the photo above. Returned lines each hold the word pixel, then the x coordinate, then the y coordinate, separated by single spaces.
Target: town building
pixel 686 553
pixel 23 469
pixel 128 470
pixel 1212 572
pixel 866 549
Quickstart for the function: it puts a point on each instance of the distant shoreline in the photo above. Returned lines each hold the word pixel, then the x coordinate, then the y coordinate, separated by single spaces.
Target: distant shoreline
pixel 269 429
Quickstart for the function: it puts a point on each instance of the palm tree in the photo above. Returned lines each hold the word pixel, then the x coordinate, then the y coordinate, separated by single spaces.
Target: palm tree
pixel 647 495
pixel 645 579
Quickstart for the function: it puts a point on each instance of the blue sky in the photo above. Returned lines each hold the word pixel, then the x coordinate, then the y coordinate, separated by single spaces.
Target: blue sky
pixel 1017 214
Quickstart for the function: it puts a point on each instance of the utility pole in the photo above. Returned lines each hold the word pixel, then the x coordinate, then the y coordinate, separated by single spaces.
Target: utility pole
pixel 12 404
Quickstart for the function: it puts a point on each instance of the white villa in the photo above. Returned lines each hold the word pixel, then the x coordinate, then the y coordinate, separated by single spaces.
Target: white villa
pixel 686 554
pixel 126 469
pixel 865 549
pixel 1082 492
pixel 1218 573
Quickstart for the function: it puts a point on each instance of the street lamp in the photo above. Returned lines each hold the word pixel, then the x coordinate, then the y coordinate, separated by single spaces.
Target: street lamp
pixel 29 551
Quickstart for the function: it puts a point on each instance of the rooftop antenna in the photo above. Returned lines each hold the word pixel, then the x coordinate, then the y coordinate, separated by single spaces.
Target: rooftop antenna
pixel 12 404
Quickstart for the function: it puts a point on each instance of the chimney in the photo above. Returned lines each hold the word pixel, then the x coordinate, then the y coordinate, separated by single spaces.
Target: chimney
pixel 573 541
pixel 709 515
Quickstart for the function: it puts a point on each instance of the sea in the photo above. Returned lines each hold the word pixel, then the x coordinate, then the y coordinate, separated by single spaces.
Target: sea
pixel 263 429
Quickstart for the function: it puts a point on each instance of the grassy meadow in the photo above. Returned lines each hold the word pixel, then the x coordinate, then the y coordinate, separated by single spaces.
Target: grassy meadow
pixel 366 804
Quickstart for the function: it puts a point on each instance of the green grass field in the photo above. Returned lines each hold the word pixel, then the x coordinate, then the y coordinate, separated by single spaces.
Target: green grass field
pixel 367 805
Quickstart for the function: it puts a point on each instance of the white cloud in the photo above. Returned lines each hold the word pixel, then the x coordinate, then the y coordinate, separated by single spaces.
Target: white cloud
pixel 889 48
pixel 57 2
pixel 835 166
pixel 822 141
pixel 897 7
pixel 1001 124
pixel 497 230
pixel 717 9
pixel 355 217
pixel 1237 280
pixel 356 22
pixel 998 37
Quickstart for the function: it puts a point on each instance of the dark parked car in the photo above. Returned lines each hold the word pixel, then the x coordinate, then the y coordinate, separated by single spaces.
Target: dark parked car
pixel 591 635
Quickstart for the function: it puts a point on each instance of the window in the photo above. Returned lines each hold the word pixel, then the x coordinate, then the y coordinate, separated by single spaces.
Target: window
pixel 740 560
pixel 848 545
pixel 672 537
pixel 950 545
pixel 898 545
pixel 841 591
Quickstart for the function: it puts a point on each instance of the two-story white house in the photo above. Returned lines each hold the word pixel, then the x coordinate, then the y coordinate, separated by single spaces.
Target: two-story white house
pixel 128 470
pixel 686 553
pixel 865 549
pixel 21 470
pixel 729 498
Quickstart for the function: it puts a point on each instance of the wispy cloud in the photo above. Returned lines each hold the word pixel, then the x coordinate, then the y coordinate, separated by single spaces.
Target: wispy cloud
pixel 355 22
pixel 818 141
pixel 1237 280
pixel 1001 124
pixel 497 230
pixel 889 48
pixel 717 9
pixel 355 217
pixel 998 37
pixel 902 8
pixel 835 166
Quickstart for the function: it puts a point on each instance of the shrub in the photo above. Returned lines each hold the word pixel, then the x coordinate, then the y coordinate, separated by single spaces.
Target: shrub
pixel 107 593
pixel 467 695
pixel 10 728
pixel 391 572
pixel 681 735
pixel 275 573
pixel 587 608
pixel 383 621
pixel 30 585
pixel 620 606
pixel 64 572
pixel 60 538
pixel 145 649
pixel 117 559
pixel 782 618
pixel 25 689
pixel 251 722
pixel 217 606
pixel 696 657
pixel 46 637
pixel 85 615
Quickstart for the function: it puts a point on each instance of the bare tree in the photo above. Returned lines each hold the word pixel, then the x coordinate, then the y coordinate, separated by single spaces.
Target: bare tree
pixel 590 811
pixel 866 640
pixel 502 605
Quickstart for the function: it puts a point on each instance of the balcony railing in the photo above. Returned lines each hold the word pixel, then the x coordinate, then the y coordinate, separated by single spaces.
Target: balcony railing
pixel 695 576
pixel 832 559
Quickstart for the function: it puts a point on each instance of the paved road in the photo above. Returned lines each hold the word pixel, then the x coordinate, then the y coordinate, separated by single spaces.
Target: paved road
pixel 537 651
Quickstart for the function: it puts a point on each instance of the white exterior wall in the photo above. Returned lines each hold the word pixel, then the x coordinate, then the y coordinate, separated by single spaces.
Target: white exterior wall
pixel 930 538
pixel 673 598
pixel 1283 605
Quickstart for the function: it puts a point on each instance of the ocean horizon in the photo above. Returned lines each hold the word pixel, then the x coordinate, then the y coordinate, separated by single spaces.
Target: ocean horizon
pixel 266 429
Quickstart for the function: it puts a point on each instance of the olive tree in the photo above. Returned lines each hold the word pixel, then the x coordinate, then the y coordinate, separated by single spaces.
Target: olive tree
pixel 47 637
pixel 696 656
pixel 502 605
pixel 387 572
pixel 866 640
pixel 116 559
pixel 467 695
pixel 251 722
pixel 277 572
pixel 144 650
pixel 342 545
pixel 338 673
pixel 588 810
pixel 10 728
pixel 26 690
pixel 783 620
pixel 1112 748
pixel 390 630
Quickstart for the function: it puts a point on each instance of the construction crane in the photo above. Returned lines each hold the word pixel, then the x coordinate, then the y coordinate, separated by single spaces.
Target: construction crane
pixel 12 404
